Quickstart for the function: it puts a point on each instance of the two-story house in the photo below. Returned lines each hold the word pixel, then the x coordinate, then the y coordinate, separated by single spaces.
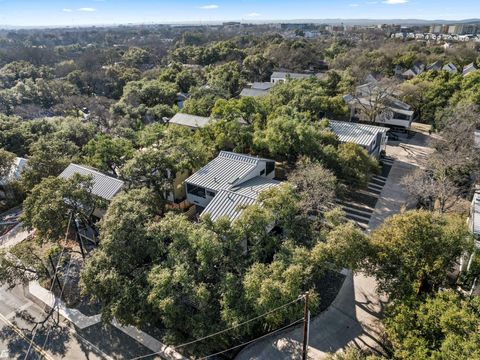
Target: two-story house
pixel 229 182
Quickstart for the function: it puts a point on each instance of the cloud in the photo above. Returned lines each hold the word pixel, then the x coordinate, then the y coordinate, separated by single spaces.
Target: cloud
pixel 354 5
pixel 67 10
pixel 87 9
pixel 209 7
pixel 395 2
pixel 253 14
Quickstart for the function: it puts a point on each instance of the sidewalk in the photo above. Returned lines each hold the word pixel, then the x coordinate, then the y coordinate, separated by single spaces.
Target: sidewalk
pixel 352 319
pixel 41 295
pixel 408 156
pixel 14 236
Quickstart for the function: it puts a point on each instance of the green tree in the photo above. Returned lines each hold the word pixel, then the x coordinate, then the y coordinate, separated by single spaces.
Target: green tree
pixel 66 199
pixel 258 67
pixel 107 153
pixel 137 57
pixel 290 136
pixel 6 163
pixel 444 326
pixel 226 78
pixel 355 165
pixel 49 156
pixel 116 273
pixel 414 251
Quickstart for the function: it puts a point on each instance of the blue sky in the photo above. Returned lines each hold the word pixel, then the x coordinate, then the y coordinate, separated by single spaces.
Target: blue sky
pixel 85 12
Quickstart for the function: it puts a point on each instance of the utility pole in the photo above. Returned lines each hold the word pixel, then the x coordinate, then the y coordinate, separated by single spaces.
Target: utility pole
pixel 306 326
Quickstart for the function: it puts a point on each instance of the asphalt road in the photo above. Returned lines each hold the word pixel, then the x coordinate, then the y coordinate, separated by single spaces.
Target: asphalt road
pixel 56 339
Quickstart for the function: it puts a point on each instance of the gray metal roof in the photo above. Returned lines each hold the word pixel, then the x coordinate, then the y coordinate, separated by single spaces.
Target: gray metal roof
pixel 469 68
pixel 360 134
pixel 254 186
pixel 262 85
pixel 284 75
pixel 253 92
pixel 230 203
pixel 450 68
pixel 437 65
pixel 227 204
pixel 223 171
pixel 191 121
pixel 104 186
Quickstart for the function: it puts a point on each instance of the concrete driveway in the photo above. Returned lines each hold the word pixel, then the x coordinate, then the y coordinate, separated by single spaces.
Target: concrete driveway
pixel 354 318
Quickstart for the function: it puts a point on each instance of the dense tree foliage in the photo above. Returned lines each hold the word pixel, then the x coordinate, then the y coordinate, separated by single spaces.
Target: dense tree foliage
pixel 104 97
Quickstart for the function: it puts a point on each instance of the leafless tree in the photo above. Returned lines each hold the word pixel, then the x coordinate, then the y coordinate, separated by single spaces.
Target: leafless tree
pixel 373 100
pixel 452 169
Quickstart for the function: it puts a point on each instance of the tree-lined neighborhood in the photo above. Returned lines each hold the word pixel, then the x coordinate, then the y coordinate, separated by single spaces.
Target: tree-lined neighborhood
pixel 231 191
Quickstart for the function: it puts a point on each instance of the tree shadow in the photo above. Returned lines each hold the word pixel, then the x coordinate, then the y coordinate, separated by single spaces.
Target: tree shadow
pixel 46 333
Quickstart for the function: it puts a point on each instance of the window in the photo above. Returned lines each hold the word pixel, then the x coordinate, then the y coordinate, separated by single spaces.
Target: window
pixel 262 172
pixel 210 193
pixel 401 116
pixel 196 190
pixel 270 167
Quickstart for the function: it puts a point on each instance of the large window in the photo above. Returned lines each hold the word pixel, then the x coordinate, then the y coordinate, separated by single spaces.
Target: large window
pixel 401 116
pixel 270 166
pixel 196 190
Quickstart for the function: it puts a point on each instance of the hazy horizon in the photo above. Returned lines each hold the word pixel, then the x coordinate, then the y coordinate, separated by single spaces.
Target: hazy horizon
pixel 32 13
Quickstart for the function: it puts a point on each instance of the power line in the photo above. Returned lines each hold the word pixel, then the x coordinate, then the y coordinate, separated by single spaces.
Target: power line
pixel 51 286
pixel 251 341
pixel 224 330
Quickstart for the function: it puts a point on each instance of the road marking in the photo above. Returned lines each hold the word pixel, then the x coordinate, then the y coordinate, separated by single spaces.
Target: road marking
pixel 25 337
pixel 19 310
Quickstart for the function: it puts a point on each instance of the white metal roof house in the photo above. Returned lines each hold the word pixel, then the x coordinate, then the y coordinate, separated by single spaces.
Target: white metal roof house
pixel 257 89
pixel 372 138
pixel 250 92
pixel 451 68
pixel 469 69
pixel 229 182
pixel 191 121
pixel 104 186
pixel 416 69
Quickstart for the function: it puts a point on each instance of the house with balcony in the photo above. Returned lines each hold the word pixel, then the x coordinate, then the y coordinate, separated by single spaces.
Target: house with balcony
pixel 392 112
pixel 228 183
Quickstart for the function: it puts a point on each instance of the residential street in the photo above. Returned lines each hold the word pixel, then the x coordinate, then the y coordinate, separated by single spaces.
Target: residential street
pixel 53 341
pixel 354 316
